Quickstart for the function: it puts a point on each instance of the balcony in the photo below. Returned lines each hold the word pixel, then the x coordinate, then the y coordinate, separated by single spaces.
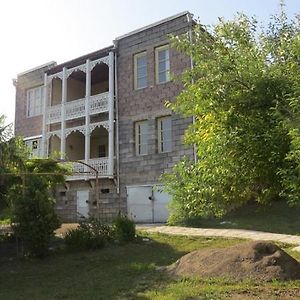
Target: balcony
pixel 76 109
pixel 81 172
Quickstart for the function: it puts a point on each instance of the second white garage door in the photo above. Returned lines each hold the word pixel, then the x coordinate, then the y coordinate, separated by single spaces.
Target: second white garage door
pixel 147 204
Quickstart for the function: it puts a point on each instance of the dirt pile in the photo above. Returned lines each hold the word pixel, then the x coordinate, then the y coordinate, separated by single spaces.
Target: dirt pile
pixel 257 260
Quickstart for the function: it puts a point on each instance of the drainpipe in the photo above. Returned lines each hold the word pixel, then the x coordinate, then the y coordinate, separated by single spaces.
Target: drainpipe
pixel 190 23
pixel 45 103
pixel 117 119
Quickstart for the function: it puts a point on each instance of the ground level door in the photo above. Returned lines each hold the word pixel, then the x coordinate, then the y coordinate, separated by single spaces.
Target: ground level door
pixel 147 204
pixel 82 203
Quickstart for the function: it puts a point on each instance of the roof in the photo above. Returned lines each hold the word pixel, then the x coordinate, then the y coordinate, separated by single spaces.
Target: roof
pixel 48 64
pixel 102 52
pixel 81 59
pixel 186 12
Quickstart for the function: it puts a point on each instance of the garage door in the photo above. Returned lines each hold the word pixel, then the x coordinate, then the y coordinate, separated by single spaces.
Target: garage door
pixel 146 204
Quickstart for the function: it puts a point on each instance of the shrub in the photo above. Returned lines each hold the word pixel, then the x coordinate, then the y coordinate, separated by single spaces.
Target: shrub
pixel 90 235
pixel 33 215
pixel 124 229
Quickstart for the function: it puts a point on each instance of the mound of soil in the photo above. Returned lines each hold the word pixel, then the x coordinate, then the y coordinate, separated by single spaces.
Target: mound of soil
pixel 257 260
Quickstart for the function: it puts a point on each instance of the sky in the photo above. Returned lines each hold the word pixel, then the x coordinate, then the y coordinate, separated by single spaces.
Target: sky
pixel 34 32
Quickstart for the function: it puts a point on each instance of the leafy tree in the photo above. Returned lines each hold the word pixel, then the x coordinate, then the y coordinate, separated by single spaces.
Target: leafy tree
pixel 13 154
pixel 33 216
pixel 244 95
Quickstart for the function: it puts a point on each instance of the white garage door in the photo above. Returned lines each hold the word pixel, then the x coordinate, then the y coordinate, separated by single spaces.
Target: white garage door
pixel 160 201
pixel 146 204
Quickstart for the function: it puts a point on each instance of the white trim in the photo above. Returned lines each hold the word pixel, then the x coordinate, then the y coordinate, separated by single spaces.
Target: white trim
pixel 34 106
pixel 138 135
pixel 37 68
pixel 145 185
pixel 32 137
pixel 152 25
pixel 168 67
pixel 135 71
pixel 111 115
pixel 160 131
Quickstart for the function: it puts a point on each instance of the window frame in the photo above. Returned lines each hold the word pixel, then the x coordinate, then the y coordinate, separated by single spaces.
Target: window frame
pixel 160 131
pixel 138 139
pixel 34 152
pixel 135 71
pixel 167 70
pixel 34 106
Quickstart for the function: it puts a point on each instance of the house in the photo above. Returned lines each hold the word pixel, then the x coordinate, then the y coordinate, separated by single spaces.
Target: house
pixel 104 112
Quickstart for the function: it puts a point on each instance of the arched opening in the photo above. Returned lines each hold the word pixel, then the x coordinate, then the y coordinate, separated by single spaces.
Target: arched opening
pixel 99 143
pixel 75 146
pixel 54 145
pixel 56 91
pixel 99 79
pixel 76 86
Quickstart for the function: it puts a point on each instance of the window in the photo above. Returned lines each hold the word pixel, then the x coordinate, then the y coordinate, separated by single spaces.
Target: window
pixel 141 138
pixel 140 71
pixel 34 147
pixel 162 64
pixel 164 126
pixel 34 102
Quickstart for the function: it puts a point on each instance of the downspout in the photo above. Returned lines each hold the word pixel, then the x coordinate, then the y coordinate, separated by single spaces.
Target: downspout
pixel 117 120
pixel 190 24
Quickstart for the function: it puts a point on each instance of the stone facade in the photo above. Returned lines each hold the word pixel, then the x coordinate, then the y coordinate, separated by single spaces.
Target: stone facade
pixel 133 106
pixel 25 126
pixel 148 104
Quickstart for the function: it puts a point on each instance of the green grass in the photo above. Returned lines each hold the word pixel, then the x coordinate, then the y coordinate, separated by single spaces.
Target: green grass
pixel 277 217
pixel 124 272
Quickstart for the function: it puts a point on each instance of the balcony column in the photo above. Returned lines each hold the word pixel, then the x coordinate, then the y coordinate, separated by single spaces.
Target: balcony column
pixel 44 129
pixel 111 115
pixel 63 114
pixel 87 111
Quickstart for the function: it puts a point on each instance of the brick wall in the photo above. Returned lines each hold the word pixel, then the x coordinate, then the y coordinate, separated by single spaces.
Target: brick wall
pixel 134 105
pixel 109 204
pixel 25 126
pixel 148 104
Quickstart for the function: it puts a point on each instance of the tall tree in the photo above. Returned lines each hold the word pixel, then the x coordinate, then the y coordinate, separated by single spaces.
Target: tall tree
pixel 13 154
pixel 244 94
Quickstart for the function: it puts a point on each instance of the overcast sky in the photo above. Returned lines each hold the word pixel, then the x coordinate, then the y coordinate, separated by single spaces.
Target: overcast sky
pixel 34 32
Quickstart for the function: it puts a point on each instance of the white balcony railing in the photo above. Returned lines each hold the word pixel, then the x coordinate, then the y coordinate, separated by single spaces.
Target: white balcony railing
pixel 53 114
pixel 98 103
pixel 76 109
pixel 82 172
pixel 100 164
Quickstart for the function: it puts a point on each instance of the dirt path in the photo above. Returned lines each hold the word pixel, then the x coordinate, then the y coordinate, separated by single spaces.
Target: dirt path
pixel 231 233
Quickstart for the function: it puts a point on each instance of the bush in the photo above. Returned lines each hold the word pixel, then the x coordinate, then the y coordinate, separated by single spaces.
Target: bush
pixel 90 235
pixel 124 229
pixel 93 234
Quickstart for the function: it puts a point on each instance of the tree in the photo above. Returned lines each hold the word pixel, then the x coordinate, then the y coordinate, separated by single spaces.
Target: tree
pixel 26 190
pixel 33 216
pixel 13 155
pixel 244 95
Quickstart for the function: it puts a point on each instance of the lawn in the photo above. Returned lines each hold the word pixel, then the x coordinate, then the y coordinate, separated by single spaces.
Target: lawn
pixel 128 272
pixel 276 217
